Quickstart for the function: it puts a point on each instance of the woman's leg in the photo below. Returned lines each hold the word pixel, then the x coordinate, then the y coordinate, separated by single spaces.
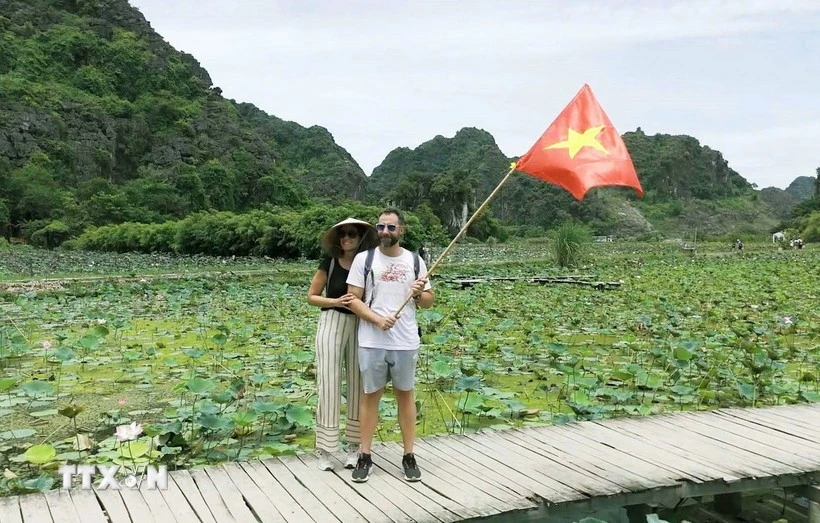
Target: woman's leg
pixel 354 382
pixel 329 338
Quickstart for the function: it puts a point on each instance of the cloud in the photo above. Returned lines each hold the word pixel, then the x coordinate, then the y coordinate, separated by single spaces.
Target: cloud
pixel 380 75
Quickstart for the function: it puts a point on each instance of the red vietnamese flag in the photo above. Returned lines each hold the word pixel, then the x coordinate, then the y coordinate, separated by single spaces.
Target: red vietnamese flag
pixel 581 150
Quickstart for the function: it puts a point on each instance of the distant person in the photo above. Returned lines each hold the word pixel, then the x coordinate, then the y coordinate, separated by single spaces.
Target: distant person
pixel 738 245
pixel 424 252
pixel 382 279
pixel 799 243
pixel 336 339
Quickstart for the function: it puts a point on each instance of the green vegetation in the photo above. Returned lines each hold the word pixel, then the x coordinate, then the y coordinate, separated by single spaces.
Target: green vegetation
pixel 571 240
pixel 219 366
pixel 112 139
pixel 105 123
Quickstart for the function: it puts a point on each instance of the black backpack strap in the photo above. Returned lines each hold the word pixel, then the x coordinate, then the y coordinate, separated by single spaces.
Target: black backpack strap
pixel 416 264
pixel 368 272
pixel 329 273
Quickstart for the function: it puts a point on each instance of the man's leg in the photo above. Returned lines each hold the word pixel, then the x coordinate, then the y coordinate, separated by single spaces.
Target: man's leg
pixel 369 417
pixel 407 417
pixel 374 374
pixel 404 379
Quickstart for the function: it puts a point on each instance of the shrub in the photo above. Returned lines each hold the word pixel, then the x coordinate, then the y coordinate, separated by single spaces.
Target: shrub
pixel 571 240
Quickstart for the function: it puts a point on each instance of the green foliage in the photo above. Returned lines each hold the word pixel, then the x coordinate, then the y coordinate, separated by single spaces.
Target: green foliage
pixel 808 227
pixel 802 188
pixel 52 235
pixel 570 242
pixel 674 167
pixel 277 232
pixel 92 93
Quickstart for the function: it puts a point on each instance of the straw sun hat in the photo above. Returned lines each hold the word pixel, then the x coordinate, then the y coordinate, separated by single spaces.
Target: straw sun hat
pixel 367 236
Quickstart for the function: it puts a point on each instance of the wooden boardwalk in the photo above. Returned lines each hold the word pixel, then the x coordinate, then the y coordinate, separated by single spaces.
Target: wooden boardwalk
pixel 621 462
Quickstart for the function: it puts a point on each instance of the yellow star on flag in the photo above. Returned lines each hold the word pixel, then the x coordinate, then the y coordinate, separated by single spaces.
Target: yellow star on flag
pixel 576 141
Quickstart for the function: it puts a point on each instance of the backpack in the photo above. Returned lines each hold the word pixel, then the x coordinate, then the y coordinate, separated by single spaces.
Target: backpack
pixel 329 273
pixel 368 272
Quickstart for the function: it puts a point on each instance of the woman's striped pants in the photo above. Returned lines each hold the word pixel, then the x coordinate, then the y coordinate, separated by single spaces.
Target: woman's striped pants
pixel 337 344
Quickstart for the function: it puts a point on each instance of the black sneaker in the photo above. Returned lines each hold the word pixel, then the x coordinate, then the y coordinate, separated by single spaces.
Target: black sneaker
pixel 364 467
pixel 411 470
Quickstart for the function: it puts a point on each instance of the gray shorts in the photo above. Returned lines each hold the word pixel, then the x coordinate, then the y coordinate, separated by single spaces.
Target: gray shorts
pixel 379 365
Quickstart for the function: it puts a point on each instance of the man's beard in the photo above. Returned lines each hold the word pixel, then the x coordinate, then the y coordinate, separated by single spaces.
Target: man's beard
pixel 389 241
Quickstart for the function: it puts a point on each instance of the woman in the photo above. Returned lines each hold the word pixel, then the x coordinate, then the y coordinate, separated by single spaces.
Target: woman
pixel 336 338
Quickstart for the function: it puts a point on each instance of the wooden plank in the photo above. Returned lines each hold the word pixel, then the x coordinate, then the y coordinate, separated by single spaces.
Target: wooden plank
pixel 782 415
pixel 808 414
pixel 258 501
pixel 795 429
pixel 216 505
pixel 470 467
pixel 659 450
pixel 422 508
pixel 446 483
pixel 389 460
pixel 364 506
pixel 61 507
pixel 335 503
pixel 230 494
pixel 157 504
pixel 804 449
pixel 280 497
pixel 542 486
pixel 738 444
pixel 35 508
pixel 421 493
pixel 480 478
pixel 138 509
pixel 185 483
pixel 778 427
pixel 775 419
pixel 577 479
pixel 10 510
pixel 114 506
pixel 86 504
pixel 627 453
pixel 298 491
pixel 639 474
pixel 599 459
pixel 739 463
pixel 180 507
pixel 393 503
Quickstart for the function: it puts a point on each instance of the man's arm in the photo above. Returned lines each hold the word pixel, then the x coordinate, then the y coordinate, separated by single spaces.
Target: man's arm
pixel 425 300
pixel 422 293
pixel 364 312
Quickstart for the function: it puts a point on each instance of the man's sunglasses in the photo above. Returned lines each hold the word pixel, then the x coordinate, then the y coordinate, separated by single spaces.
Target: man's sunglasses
pixel 349 233
pixel 392 228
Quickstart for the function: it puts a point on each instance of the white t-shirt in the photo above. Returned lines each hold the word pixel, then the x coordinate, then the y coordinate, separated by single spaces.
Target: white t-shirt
pixel 390 284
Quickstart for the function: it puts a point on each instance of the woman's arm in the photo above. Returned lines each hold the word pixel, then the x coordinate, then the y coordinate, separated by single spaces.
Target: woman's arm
pixel 317 286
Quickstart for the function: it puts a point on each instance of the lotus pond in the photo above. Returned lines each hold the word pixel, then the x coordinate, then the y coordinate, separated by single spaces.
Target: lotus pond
pixel 214 357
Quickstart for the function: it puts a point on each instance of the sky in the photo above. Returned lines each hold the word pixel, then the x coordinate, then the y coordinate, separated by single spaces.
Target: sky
pixel 742 76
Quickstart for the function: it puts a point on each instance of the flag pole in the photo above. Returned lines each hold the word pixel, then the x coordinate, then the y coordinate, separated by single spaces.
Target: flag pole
pixel 461 233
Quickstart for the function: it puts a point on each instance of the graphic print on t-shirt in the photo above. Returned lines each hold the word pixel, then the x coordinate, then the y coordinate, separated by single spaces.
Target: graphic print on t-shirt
pixel 396 272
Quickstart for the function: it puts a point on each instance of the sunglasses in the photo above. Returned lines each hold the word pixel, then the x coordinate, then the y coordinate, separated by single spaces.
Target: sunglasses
pixel 349 233
pixel 381 227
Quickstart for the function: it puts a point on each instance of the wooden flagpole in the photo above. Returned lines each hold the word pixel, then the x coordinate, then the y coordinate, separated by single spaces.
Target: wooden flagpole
pixel 463 230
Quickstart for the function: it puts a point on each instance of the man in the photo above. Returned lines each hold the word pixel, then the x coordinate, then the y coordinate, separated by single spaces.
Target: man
pixel 388 346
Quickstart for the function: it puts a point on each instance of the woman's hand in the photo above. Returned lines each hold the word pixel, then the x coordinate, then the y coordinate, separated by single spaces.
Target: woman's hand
pixel 346 300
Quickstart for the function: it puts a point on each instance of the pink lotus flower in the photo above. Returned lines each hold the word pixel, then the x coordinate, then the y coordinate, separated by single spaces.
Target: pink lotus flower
pixel 121 402
pixel 46 345
pixel 128 432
